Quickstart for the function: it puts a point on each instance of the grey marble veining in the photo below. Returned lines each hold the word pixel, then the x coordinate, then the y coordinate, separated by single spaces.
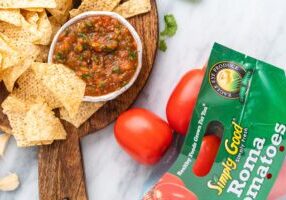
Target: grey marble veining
pixel 255 27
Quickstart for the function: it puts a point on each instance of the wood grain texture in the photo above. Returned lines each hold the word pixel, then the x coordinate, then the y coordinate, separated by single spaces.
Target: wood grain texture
pixel 61 174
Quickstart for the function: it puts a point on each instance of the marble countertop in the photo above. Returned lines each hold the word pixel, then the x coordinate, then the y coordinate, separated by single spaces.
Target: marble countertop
pixel 254 27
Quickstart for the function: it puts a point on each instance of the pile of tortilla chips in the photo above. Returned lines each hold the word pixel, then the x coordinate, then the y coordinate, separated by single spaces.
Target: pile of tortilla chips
pixel 37 88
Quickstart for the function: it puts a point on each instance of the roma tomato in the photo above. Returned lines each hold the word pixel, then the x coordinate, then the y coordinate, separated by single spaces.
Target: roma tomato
pixel 170 191
pixel 278 190
pixel 207 155
pixel 170 178
pixel 183 100
pixel 143 135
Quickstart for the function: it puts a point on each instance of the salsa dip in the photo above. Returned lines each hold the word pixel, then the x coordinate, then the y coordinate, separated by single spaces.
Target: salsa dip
pixel 103 49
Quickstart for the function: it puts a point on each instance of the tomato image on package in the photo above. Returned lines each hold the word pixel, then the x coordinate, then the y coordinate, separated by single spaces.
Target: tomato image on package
pixel 241 101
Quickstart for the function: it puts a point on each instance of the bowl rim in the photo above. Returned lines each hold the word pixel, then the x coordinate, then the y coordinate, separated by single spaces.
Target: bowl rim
pixel 112 95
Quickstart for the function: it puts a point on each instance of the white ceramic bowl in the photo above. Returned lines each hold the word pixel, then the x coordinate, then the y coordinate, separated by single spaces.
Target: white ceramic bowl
pixel 135 35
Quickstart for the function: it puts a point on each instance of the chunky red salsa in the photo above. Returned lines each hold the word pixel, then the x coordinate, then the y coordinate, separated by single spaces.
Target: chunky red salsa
pixel 101 50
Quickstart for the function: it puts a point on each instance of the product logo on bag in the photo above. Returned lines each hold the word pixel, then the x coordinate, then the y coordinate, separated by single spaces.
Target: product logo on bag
pixel 225 78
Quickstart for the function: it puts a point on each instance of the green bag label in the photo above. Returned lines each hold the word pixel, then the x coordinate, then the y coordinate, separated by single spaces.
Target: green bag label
pixel 242 99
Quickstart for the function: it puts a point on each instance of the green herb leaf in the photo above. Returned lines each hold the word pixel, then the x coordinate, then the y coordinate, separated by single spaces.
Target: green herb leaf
pixel 82 35
pixel 162 45
pixel 102 85
pixel 170 26
pixel 132 55
pixel 84 46
pixel 95 58
pixel 124 83
pixel 85 76
pixel 59 56
pixel 116 70
pixel 88 24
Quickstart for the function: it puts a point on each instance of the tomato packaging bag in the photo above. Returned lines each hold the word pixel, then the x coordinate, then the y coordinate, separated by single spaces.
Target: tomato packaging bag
pixel 235 146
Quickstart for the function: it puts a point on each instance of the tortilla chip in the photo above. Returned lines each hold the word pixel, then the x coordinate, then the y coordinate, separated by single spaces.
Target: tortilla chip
pixel 31 17
pixel 55 25
pixel 29 53
pixel 9 183
pixel 31 89
pixel 61 12
pixel 5 129
pixel 42 125
pixel 27 49
pixel 11 74
pixel 4 139
pixel 8 52
pixel 63 83
pixel 45 29
pixel 11 16
pixel 16 111
pixel 98 5
pixel 133 7
pixel 35 9
pixel 1 58
pixel 74 12
pixel 37 33
pixel 28 4
pixel 86 110
pixel 24 33
pixel 43 56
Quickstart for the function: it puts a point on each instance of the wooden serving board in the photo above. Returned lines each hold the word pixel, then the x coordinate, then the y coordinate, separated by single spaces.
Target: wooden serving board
pixel 61 174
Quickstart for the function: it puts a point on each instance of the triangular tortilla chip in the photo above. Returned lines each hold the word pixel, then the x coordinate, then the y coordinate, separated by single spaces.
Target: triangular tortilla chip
pixel 42 125
pixel 4 139
pixel 45 29
pixel 63 84
pixel 17 111
pixel 11 74
pixel 61 12
pixel 86 110
pixel 55 25
pixel 31 17
pixel 43 56
pixel 5 129
pixel 11 16
pixel 37 33
pixel 28 4
pixel 29 53
pixel 133 7
pixel 34 9
pixel 8 52
pixel 31 89
pixel 92 5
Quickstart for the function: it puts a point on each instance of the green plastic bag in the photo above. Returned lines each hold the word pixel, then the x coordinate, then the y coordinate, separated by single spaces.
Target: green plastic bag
pixel 242 101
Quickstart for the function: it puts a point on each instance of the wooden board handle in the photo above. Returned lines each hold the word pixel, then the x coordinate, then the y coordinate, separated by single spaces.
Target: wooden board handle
pixel 61 175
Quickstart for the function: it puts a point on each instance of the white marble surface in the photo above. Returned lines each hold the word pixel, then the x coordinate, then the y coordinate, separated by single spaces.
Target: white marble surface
pixel 256 27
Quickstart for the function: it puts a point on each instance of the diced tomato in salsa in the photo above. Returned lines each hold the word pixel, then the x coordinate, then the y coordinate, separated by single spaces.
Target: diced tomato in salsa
pixel 101 50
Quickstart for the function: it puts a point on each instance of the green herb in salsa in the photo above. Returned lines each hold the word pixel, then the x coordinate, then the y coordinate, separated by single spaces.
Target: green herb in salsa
pixel 132 55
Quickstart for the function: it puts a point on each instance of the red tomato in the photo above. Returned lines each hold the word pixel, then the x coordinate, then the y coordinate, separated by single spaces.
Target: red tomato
pixel 207 155
pixel 183 100
pixel 143 135
pixel 278 190
pixel 170 178
pixel 170 191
